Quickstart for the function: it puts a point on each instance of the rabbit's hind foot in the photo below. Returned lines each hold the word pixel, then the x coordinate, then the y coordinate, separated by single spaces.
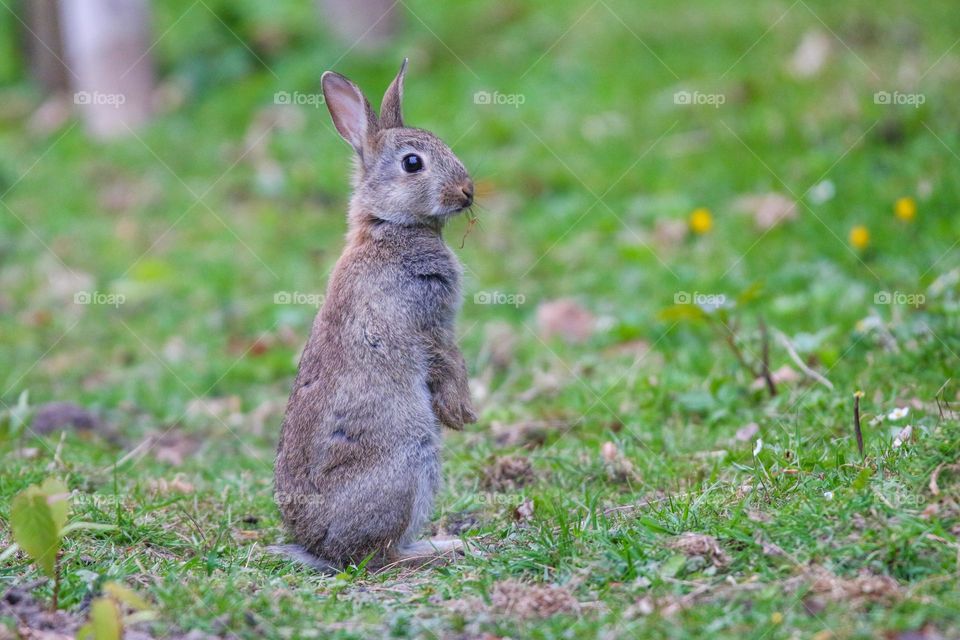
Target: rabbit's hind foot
pixel 301 556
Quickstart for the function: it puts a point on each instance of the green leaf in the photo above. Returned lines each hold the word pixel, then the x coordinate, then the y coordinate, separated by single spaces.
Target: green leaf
pixel 683 313
pixel 58 497
pixel 125 595
pixel 862 479
pixel 105 620
pixel 751 293
pixel 34 528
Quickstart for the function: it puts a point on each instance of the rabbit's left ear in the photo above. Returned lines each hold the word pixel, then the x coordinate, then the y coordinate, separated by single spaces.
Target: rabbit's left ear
pixel 391 113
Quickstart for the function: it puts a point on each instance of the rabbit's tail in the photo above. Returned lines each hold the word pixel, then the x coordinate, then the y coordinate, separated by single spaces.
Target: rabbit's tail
pixel 299 554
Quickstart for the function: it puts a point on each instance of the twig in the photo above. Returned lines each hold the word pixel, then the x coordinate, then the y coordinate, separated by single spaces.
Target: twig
pixel 856 421
pixel 471 221
pixel 765 357
pixel 797 360
pixel 55 602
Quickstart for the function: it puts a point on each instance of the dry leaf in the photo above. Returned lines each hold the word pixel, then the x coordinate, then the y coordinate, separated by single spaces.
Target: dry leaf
pixel 565 318
pixel 161 486
pixel 527 432
pixel 507 473
pixel 669 232
pixel 702 545
pixel 56 416
pixel 174 447
pixel 768 209
pixel 524 511
pixel 784 374
pixel 747 432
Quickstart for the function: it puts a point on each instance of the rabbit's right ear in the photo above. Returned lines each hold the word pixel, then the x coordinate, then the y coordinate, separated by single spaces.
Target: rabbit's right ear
pixel 351 113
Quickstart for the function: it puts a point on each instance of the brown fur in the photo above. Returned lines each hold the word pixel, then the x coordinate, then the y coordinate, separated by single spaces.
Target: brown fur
pixel 358 464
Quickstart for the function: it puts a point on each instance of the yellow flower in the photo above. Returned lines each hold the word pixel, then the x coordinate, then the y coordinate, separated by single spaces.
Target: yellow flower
pixel 701 221
pixel 776 617
pixel 906 209
pixel 859 237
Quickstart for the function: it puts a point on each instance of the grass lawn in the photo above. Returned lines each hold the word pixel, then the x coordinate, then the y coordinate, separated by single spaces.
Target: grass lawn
pixel 640 481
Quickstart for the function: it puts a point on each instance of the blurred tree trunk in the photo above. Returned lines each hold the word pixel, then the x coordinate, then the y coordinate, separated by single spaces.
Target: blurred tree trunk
pixel 45 46
pixel 107 44
pixel 366 24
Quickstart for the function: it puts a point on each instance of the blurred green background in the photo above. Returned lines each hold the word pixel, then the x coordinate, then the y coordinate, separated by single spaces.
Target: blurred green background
pixel 799 161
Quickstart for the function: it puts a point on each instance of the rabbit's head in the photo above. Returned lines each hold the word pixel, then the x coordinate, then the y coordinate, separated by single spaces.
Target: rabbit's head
pixel 403 175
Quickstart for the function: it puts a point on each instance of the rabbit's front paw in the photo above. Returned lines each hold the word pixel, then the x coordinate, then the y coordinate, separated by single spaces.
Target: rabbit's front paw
pixel 452 407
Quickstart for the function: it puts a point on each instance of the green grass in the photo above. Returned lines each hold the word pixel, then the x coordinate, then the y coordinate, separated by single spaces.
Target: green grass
pixel 573 183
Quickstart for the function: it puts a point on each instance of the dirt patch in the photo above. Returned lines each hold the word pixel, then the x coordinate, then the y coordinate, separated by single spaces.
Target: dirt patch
pixel 517 599
pixel 34 618
pixel 523 600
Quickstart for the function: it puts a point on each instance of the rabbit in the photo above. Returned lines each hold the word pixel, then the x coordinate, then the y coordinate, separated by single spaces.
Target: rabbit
pixel 358 464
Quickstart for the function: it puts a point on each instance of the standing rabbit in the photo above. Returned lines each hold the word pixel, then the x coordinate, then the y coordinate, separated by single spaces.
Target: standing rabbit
pixel 358 464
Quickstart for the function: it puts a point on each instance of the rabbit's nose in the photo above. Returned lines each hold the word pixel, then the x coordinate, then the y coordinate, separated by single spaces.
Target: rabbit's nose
pixel 467 190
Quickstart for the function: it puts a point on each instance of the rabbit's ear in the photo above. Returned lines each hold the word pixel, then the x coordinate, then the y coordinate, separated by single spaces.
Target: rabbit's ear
pixel 351 113
pixel 391 112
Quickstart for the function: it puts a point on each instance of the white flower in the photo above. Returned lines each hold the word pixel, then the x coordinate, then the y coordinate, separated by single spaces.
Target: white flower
pixel 757 448
pixel 903 436
pixel 828 495
pixel 898 413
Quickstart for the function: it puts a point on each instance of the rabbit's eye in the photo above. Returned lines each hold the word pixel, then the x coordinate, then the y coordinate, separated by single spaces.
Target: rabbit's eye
pixel 411 163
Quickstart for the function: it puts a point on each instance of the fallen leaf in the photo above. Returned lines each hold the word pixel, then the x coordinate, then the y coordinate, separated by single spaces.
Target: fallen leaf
pixel 524 511
pixel 179 484
pixel 768 209
pixel 526 432
pixel 56 416
pixel 783 375
pixel 174 447
pixel 698 544
pixel 747 432
pixel 565 318
pixel 507 473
